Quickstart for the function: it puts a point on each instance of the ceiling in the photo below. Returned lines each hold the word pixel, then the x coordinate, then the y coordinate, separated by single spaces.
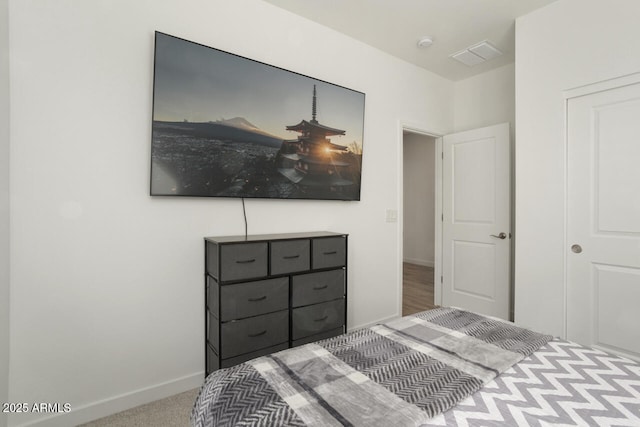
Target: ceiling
pixel 395 26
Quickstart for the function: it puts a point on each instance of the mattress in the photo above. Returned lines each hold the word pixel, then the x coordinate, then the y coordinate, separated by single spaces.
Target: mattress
pixel 440 367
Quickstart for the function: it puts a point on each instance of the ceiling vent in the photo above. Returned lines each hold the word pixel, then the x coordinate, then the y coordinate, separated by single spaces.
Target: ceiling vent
pixel 477 54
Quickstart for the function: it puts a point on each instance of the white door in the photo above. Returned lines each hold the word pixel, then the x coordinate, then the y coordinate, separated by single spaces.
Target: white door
pixel 603 222
pixel 476 222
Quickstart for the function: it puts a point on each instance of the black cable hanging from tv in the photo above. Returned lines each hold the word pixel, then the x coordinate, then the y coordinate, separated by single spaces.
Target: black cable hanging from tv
pixel 244 211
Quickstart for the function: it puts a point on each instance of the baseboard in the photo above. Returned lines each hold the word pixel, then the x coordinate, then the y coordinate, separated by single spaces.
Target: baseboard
pixel 420 262
pixel 120 403
pixel 377 322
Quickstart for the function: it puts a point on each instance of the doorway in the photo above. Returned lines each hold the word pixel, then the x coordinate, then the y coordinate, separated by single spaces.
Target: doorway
pixel 472 237
pixel 418 218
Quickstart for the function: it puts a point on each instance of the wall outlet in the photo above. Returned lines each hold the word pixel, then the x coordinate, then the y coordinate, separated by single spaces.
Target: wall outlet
pixel 392 215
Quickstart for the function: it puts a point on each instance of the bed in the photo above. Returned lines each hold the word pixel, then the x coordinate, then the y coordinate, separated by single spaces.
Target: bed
pixel 442 367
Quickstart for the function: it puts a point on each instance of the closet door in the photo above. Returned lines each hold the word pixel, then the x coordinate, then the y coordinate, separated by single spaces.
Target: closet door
pixel 603 220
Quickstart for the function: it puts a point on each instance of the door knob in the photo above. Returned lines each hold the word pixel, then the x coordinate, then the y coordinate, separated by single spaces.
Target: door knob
pixel 502 235
pixel 576 249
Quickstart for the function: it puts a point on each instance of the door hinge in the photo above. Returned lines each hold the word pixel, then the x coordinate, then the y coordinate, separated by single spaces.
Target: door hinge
pixel 442 155
pixel 442 217
pixel 441 279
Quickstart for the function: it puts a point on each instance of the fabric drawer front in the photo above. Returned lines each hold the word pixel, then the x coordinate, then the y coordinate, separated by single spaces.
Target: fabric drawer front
pixel 314 319
pixel 212 360
pixel 251 299
pixel 313 288
pixel 329 252
pixel 212 296
pixel 289 256
pixel 243 261
pixel 248 356
pixel 322 336
pixel 254 333
pixel 211 251
pixel 213 331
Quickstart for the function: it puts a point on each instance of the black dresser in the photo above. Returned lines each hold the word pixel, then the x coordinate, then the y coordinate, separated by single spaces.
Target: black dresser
pixel 265 293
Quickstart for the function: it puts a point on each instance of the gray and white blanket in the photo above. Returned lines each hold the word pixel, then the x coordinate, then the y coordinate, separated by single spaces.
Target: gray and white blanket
pixel 401 373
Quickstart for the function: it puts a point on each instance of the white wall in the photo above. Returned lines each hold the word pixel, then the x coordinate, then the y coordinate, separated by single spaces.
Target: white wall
pixel 419 199
pixel 4 207
pixel 486 99
pixel 106 284
pixel 567 44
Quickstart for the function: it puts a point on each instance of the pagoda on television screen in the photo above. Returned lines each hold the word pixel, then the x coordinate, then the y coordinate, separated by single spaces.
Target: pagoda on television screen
pixel 309 160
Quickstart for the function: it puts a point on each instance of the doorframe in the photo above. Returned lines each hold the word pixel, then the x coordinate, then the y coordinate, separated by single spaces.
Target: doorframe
pixel 568 94
pixel 437 255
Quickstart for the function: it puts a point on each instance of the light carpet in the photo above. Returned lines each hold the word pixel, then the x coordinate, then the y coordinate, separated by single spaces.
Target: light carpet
pixel 174 411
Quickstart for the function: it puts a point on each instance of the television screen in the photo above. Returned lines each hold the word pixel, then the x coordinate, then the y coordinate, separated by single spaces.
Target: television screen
pixel 227 126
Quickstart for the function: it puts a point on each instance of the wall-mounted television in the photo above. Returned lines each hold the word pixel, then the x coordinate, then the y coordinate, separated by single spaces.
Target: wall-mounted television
pixel 228 126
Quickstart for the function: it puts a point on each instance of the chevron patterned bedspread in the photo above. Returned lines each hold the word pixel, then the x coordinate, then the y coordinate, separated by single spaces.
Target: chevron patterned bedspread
pixel 402 373
pixel 561 384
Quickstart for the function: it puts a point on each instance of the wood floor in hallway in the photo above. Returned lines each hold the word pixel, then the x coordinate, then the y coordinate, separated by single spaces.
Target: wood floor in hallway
pixel 417 288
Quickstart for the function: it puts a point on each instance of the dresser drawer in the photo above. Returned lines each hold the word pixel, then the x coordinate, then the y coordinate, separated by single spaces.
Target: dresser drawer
pixel 329 252
pixel 243 261
pixel 251 299
pixel 321 336
pixel 313 288
pixel 213 363
pixel 247 335
pixel 248 356
pixel 314 319
pixel 289 256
